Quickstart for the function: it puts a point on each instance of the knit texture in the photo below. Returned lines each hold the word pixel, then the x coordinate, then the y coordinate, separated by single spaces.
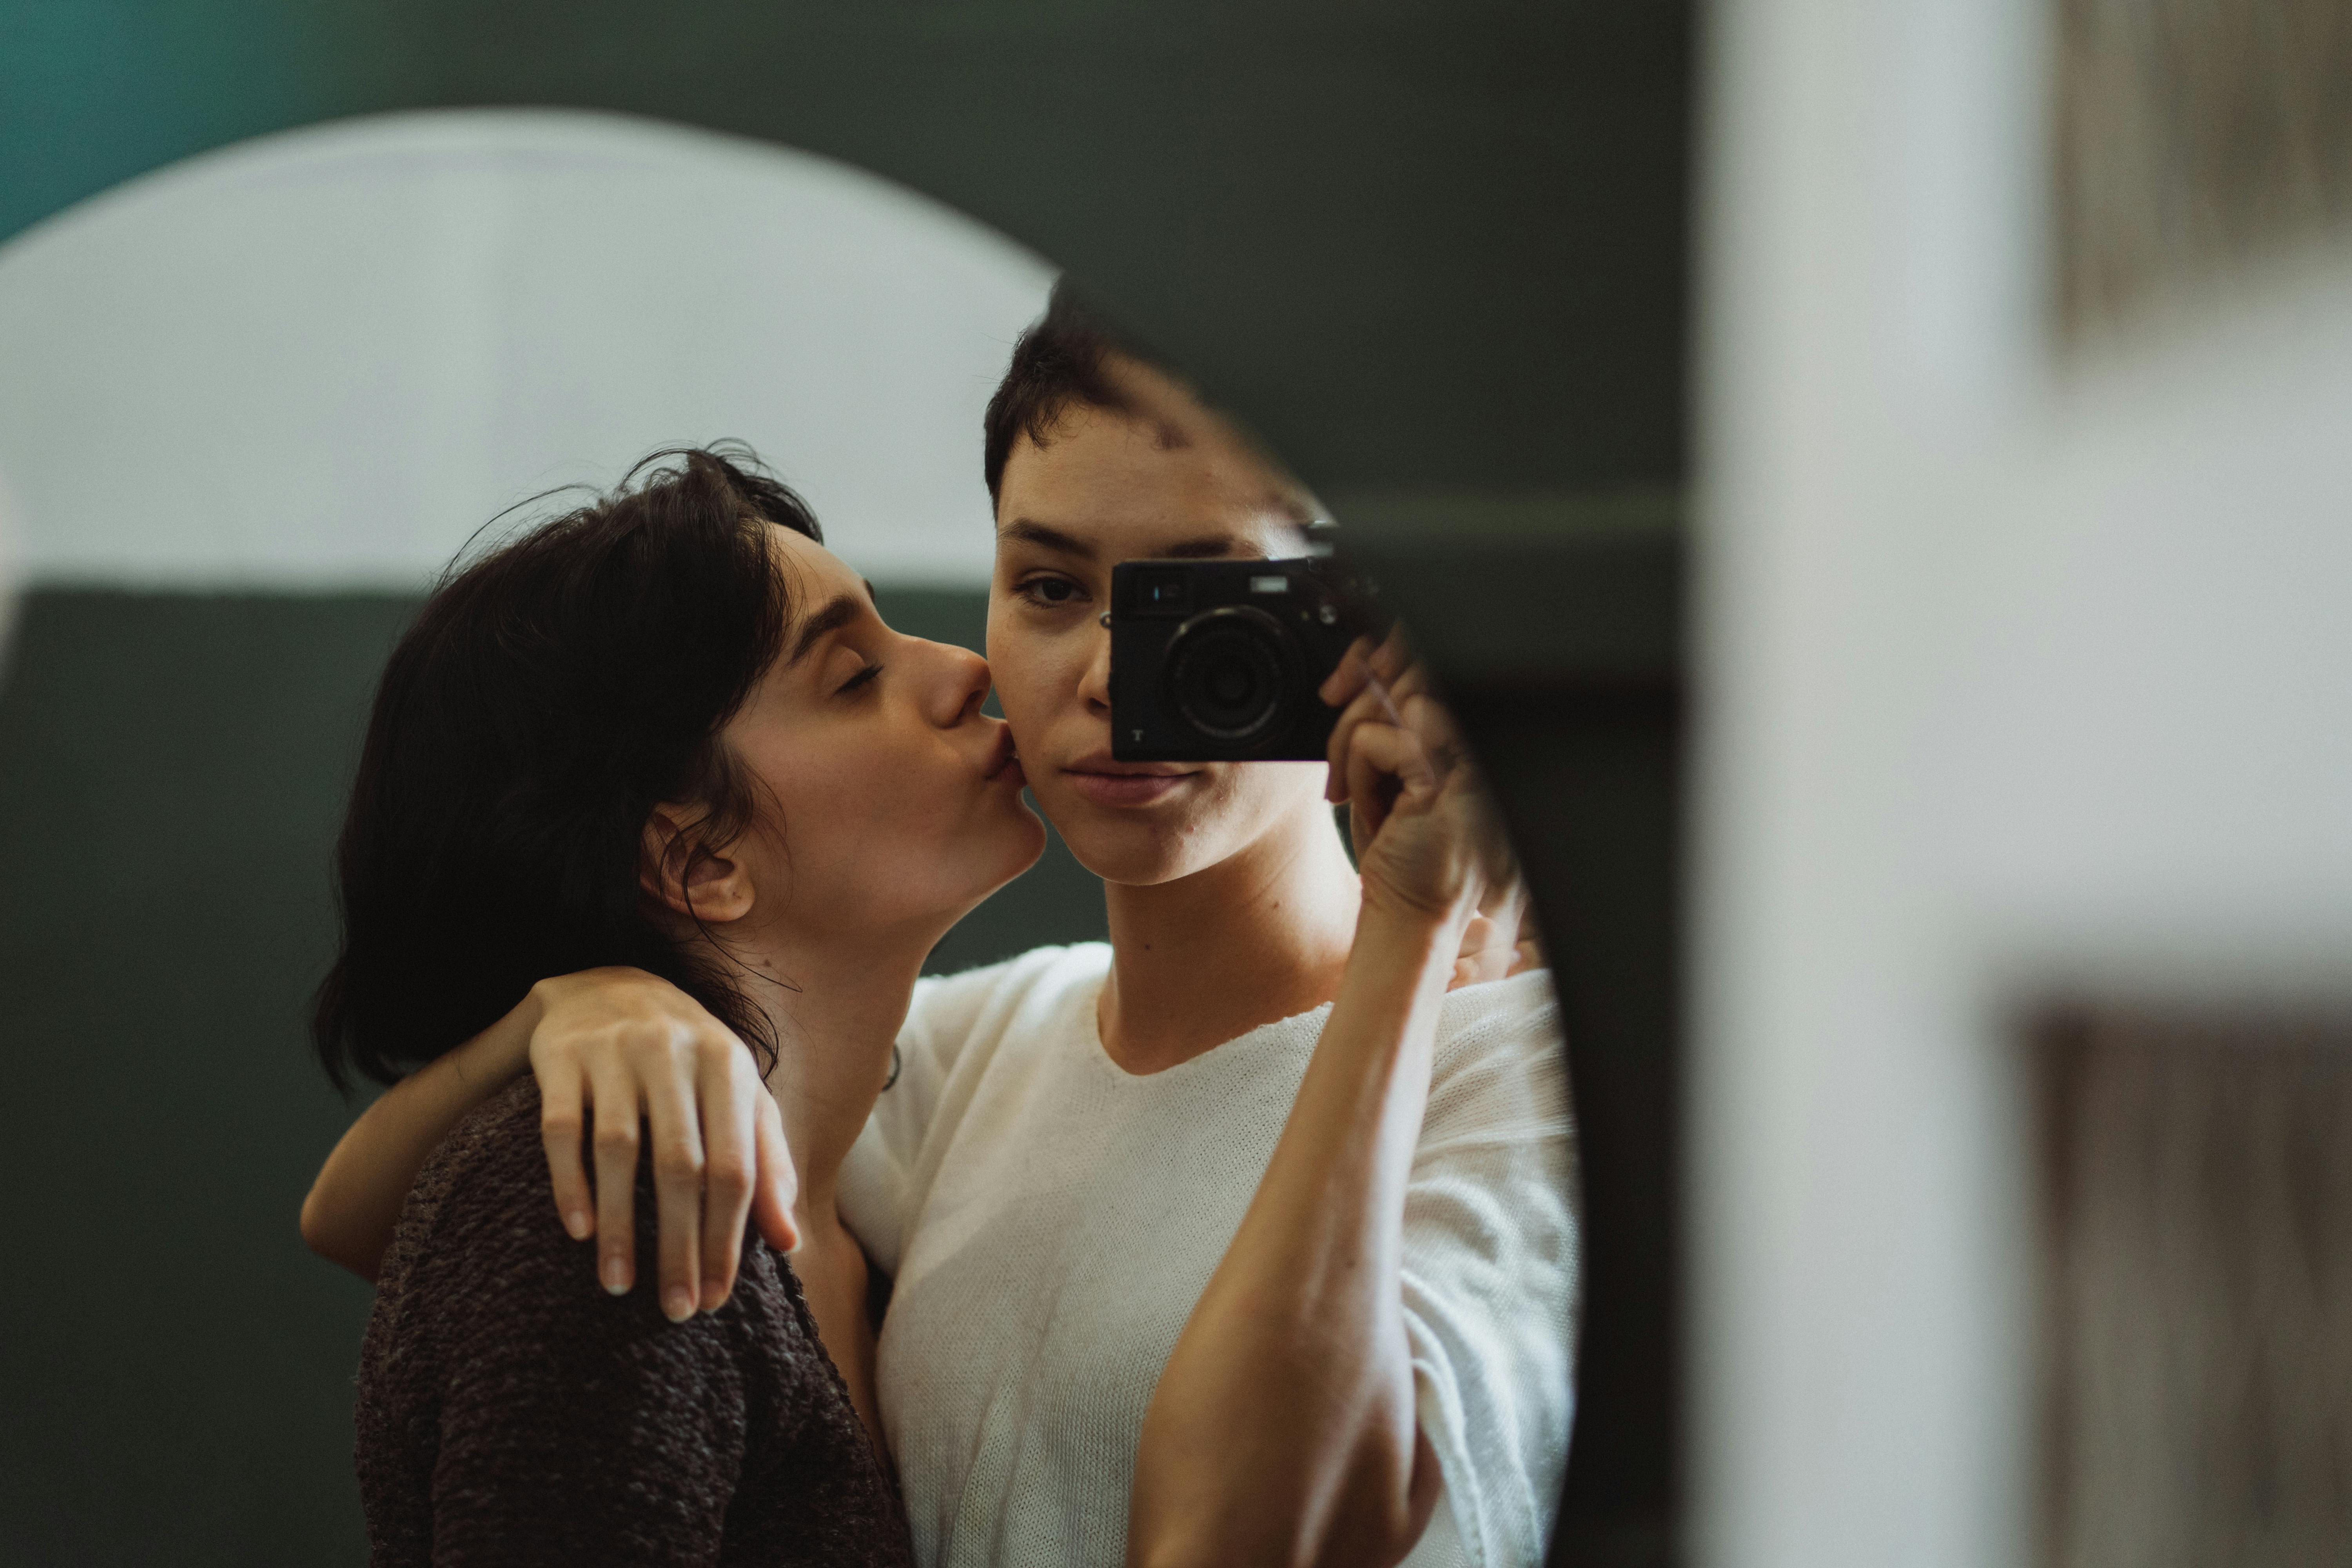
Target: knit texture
pixel 512 1412
pixel 1052 1219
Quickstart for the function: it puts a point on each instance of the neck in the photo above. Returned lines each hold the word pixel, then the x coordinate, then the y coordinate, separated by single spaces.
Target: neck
pixel 835 1021
pixel 1261 935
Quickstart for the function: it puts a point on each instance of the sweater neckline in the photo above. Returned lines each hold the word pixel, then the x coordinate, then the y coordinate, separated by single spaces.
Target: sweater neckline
pixel 1249 1039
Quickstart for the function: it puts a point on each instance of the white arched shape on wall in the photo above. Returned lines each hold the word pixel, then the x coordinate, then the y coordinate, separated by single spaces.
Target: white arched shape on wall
pixel 325 358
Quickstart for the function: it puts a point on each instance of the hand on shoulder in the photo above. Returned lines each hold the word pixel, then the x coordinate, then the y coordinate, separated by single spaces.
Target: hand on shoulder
pixel 616 1047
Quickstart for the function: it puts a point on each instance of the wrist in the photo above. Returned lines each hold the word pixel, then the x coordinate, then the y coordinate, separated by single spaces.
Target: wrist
pixel 503 1050
pixel 1397 937
pixel 1401 921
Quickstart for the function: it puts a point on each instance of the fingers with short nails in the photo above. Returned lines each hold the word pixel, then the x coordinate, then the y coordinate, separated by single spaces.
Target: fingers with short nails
pixel 1366 707
pixel 728 1087
pixel 622 1056
pixel 1393 656
pixel 562 1123
pixel 779 1184
pixel 677 1191
pixel 1341 689
pixel 1371 683
pixel 614 1112
pixel 1384 762
pixel 1347 677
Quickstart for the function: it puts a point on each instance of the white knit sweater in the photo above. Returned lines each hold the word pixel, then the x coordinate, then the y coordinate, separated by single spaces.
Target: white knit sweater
pixel 1051 1220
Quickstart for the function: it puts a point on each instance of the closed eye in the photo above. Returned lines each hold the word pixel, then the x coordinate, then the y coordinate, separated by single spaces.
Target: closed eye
pixel 860 678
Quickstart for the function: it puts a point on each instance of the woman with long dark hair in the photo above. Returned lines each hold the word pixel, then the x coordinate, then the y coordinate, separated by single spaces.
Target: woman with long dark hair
pixel 666 730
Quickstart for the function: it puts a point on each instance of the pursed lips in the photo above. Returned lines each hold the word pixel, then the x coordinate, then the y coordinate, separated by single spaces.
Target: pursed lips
pixel 1005 759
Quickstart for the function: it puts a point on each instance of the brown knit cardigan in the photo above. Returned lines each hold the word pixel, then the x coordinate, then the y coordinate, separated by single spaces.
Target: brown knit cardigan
pixel 510 1412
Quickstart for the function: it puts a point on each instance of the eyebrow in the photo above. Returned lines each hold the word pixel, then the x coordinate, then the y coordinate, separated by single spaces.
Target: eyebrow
pixel 1207 546
pixel 838 613
pixel 1046 538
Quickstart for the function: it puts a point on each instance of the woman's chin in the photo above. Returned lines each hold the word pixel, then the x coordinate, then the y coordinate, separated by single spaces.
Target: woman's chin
pixel 1019 838
pixel 1134 852
pixel 1027 847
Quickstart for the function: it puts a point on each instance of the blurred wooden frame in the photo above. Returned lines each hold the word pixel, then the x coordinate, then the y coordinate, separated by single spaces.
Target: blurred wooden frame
pixel 2192 136
pixel 2195 1316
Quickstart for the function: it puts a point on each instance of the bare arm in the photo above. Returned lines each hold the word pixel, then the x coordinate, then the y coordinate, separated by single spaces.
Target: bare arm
pixel 1283 1429
pixel 353 1206
pixel 616 1039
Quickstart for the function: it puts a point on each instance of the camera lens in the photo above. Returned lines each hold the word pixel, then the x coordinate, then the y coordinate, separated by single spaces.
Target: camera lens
pixel 1225 673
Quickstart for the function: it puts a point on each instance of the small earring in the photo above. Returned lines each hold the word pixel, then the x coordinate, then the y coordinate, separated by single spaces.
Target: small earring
pixel 1104 620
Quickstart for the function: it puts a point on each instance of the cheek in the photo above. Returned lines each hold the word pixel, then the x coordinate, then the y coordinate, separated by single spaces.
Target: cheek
pixel 1248 796
pixel 891 788
pixel 1025 671
pixel 874 818
pixel 836 803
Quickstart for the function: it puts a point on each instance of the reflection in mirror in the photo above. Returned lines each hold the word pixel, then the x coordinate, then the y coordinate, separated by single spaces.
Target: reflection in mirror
pixel 1212 1198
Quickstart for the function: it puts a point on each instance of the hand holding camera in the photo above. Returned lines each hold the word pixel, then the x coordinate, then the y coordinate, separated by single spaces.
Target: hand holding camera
pixel 1297 660
pixel 1426 837
pixel 1214 661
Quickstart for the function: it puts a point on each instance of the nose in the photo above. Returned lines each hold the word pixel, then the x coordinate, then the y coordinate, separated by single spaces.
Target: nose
pixel 1094 686
pixel 958 685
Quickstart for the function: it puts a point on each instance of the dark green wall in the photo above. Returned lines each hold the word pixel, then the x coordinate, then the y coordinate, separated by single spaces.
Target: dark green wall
pixel 178 1367
pixel 1421 242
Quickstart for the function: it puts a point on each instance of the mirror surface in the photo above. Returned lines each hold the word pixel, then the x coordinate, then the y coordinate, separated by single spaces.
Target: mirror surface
pixel 257 402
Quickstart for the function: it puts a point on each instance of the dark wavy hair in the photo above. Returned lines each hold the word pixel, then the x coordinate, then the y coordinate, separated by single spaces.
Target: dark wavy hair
pixel 547 697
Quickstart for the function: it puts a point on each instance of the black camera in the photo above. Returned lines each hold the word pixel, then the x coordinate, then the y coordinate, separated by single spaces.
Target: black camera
pixel 1219 660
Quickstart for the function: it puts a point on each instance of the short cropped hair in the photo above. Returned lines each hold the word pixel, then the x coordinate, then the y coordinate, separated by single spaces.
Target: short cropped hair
pixel 1061 360
pixel 1064 359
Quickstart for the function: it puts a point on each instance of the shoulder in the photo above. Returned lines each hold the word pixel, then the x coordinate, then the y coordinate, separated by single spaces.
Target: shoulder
pixel 948 1008
pixel 1493 1261
pixel 487 1133
pixel 496 1146
pixel 1501 1058
pixel 1519 1015
pixel 958 1027
pixel 1524 1003
pixel 490 1166
pixel 481 1251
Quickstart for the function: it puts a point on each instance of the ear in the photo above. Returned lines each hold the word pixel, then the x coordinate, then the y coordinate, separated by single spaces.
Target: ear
pixel 676 869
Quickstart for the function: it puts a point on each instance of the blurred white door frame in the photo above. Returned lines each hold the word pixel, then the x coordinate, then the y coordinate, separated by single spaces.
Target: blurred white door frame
pixel 2022 670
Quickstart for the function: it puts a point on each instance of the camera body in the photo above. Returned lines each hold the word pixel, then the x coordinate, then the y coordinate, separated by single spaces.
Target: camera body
pixel 1219 660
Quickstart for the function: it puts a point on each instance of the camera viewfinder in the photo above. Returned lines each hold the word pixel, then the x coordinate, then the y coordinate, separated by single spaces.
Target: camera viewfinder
pixel 1162 591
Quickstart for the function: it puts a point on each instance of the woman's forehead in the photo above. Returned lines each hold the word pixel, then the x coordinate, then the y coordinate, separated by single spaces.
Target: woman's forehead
pixel 1200 534
pixel 1103 483
pixel 805 556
